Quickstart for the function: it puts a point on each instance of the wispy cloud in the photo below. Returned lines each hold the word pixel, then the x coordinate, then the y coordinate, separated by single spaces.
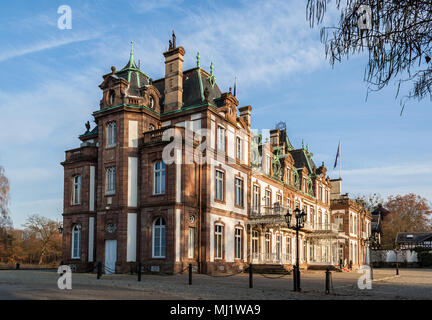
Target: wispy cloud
pixel 261 42
pixel 45 45
pixel 150 5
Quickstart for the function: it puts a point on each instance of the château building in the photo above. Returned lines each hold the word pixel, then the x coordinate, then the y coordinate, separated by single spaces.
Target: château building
pixel 173 173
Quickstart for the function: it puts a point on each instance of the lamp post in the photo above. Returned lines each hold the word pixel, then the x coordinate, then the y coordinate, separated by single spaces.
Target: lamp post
pixel 300 217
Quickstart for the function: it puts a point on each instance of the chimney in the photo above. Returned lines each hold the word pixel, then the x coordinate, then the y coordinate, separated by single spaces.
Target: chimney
pixel 245 114
pixel 275 137
pixel 173 76
pixel 336 189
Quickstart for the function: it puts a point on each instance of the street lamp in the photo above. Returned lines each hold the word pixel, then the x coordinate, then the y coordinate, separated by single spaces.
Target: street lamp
pixel 300 217
pixel 60 229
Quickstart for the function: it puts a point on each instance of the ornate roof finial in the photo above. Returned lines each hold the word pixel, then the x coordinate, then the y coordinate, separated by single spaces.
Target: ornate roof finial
pixel 173 39
pixel 131 54
pixel 302 143
pixel 211 68
pixel 198 59
pixel 307 147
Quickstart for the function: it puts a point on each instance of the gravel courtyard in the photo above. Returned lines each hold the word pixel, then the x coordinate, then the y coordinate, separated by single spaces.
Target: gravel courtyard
pixel 30 284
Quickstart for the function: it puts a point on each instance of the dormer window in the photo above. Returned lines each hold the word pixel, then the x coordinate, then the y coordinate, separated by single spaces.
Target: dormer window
pixel 151 102
pixel 112 97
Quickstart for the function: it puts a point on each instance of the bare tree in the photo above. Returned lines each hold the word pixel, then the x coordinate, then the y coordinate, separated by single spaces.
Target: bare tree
pixel 408 213
pixel 396 34
pixel 45 229
pixel 369 201
pixel 5 220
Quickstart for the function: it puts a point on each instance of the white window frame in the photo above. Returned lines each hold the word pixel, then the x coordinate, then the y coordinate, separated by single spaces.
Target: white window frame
pixel 76 237
pixel 76 189
pixel 267 198
pixel 159 226
pixel 238 243
pixel 239 148
pixel 219 185
pixel 256 197
pixel 239 192
pixel 159 178
pixel 255 243
pixel 218 241
pixel 288 248
pixel 110 180
pixel 111 134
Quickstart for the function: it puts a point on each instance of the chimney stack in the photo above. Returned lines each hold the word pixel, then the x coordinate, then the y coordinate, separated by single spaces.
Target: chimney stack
pixel 173 76
pixel 245 114
pixel 336 189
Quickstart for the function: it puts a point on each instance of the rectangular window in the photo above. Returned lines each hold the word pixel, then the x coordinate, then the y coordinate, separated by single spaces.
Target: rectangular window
pixel 219 185
pixel 256 199
pixel 239 148
pixel 279 199
pixel 267 246
pixel 288 202
pixel 238 243
pixel 267 164
pixel 191 243
pixel 76 193
pixel 267 198
pixel 221 138
pixel 288 247
pixel 239 192
pixel 111 134
pixel 255 248
pixel 159 179
pixel 278 246
pixel 110 178
pixel 219 241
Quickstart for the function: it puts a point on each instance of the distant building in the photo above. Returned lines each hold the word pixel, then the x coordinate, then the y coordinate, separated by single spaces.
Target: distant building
pixel 124 202
pixel 354 225
pixel 411 240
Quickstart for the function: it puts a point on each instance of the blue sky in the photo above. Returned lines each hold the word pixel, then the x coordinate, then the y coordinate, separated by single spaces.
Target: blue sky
pixel 50 78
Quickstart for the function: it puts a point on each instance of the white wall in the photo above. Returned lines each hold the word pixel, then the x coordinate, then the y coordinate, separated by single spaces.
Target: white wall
pixel 131 237
pixel 132 181
pixel 230 224
pixel 230 174
pixel 133 134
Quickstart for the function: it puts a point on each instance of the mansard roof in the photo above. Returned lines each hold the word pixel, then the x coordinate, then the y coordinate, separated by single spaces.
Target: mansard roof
pixel 303 159
pixel 195 83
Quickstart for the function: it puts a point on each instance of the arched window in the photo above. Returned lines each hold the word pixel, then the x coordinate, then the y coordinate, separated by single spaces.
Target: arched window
pixel 151 102
pixel 112 97
pixel 158 242
pixel 76 241
pixel 159 177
